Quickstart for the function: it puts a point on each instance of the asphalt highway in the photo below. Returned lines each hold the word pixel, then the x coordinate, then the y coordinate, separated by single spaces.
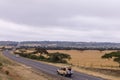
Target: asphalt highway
pixel 48 68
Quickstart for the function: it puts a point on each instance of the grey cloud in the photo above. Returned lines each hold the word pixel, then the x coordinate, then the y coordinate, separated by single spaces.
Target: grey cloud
pixel 48 12
pixel 82 20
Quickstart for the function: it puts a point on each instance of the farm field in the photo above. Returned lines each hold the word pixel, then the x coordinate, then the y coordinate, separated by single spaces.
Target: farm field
pixel 89 62
pixel 88 58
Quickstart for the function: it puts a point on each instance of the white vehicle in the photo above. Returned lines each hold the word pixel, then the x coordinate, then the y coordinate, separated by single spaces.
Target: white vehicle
pixel 65 71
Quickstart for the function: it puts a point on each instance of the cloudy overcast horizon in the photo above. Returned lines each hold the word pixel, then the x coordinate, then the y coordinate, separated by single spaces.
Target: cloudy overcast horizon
pixel 60 20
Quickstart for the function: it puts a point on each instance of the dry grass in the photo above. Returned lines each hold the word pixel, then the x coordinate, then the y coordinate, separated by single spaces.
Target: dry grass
pixel 88 58
pixel 92 63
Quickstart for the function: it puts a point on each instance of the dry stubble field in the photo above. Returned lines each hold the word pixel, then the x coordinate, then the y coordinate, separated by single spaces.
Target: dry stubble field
pixel 90 62
pixel 89 58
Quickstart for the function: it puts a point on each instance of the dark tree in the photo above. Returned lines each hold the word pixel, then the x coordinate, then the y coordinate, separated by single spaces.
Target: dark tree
pixel 40 50
pixel 113 55
pixel 59 57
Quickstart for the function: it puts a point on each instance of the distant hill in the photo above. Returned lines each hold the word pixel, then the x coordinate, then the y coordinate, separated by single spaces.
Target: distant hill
pixel 62 44
pixel 8 43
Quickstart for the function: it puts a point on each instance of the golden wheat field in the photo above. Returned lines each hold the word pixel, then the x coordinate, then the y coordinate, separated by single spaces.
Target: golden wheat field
pixel 88 58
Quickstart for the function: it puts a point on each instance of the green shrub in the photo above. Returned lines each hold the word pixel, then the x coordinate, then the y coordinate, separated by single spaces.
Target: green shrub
pixel 112 55
pixel 1 64
pixel 53 57
pixel 7 72
pixel 42 58
pixel 24 55
pixel 32 56
pixel 58 57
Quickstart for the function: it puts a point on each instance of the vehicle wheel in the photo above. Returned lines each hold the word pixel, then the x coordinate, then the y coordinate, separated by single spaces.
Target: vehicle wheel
pixel 69 75
pixel 64 75
pixel 57 72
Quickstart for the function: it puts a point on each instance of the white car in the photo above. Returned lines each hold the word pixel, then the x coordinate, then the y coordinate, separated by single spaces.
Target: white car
pixel 65 71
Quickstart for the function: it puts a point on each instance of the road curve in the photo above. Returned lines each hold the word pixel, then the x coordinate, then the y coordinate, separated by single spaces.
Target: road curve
pixel 48 68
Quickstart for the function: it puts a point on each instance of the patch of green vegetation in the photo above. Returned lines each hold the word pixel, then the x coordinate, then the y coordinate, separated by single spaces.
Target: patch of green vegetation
pixel 51 57
pixel 58 57
pixel 113 55
pixel 1 64
pixel 7 72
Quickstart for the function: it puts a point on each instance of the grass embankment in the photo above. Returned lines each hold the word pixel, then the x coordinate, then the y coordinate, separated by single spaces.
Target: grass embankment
pixel 10 70
pixel 4 69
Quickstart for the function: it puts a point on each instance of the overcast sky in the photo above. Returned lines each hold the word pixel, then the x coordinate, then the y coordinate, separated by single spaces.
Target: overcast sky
pixel 60 20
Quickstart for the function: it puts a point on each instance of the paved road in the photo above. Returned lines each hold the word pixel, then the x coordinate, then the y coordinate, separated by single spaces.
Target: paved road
pixel 48 68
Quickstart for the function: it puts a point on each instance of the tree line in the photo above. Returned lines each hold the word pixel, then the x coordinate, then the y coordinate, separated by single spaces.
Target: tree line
pixel 70 48
pixel 43 55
